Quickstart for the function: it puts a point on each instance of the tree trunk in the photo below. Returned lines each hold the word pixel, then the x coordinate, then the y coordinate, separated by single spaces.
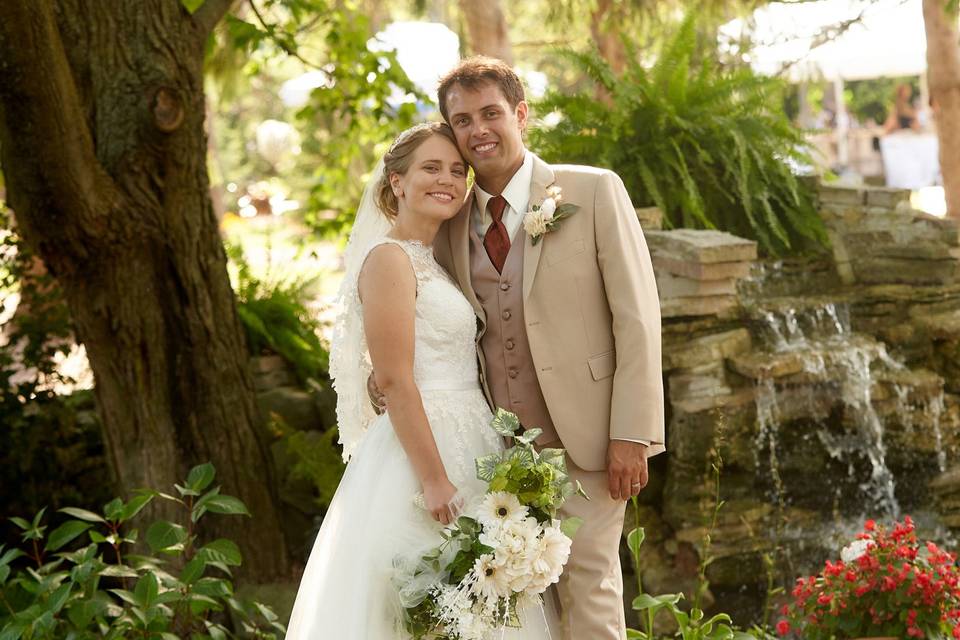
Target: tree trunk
pixel 943 76
pixel 487 29
pixel 603 27
pixel 102 145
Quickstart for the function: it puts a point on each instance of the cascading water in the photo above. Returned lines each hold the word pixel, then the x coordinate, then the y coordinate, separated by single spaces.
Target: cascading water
pixel 835 365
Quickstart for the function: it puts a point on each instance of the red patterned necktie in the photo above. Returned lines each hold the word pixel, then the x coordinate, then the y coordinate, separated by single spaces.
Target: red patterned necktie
pixel 496 241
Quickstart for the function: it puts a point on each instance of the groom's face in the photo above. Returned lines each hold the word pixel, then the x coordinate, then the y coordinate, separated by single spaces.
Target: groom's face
pixel 489 131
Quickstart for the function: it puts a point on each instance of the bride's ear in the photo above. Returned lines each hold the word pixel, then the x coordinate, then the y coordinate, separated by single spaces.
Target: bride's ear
pixel 395 185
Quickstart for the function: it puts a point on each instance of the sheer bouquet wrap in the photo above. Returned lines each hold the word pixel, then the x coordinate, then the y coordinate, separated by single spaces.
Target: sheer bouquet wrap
pixel 501 554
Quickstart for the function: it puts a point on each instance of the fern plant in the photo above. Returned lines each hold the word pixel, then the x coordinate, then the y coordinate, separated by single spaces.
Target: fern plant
pixel 709 146
pixel 276 318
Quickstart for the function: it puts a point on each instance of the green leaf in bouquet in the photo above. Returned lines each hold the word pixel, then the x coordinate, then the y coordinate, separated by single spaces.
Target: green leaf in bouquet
pixel 487 466
pixel 522 456
pixel 579 490
pixel 498 484
pixel 570 526
pixel 505 423
pixel 554 457
pixel 65 533
pixel 528 436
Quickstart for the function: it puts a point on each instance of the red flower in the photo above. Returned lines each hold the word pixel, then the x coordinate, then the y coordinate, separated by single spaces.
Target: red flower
pixel 825 598
pixel 870 525
pixel 783 627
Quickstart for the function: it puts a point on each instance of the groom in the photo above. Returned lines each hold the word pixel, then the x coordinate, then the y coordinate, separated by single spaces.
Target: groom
pixel 569 335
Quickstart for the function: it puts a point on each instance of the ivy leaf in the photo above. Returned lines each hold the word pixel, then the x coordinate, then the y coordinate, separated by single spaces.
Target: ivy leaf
pixel 487 466
pixel 505 423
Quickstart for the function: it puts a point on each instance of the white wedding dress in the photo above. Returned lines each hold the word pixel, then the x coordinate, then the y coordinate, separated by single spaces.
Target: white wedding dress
pixel 346 591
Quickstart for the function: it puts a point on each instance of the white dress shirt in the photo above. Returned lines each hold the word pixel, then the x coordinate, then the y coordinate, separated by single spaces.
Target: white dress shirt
pixel 517 195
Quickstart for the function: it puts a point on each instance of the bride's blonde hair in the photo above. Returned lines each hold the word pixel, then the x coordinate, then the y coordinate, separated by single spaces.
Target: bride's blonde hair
pixel 399 157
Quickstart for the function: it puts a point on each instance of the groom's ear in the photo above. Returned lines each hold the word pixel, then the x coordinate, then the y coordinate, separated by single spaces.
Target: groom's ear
pixel 522 112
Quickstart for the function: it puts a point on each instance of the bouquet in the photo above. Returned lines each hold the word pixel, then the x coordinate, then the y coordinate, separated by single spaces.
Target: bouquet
pixel 885 584
pixel 502 554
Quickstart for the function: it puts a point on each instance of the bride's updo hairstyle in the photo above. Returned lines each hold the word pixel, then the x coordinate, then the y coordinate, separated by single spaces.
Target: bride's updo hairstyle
pixel 400 156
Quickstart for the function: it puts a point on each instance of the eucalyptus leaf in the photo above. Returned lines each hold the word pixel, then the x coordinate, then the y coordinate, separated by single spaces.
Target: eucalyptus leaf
pixel 505 423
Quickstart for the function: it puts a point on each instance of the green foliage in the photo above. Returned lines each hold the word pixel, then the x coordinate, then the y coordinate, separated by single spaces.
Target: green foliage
pixel 708 146
pixel 364 99
pixel 317 460
pixel 100 590
pixel 276 318
pixel 51 450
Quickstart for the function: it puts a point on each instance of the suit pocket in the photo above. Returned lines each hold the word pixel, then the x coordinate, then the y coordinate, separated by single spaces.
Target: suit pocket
pixel 559 254
pixel 603 366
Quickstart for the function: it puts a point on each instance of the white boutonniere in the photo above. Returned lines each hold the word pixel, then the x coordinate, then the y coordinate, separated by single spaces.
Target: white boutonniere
pixel 547 215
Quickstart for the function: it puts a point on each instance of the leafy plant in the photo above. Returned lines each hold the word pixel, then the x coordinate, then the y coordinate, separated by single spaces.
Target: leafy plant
pixel 51 442
pixel 708 146
pixel 693 624
pixel 886 583
pixel 102 590
pixel 276 318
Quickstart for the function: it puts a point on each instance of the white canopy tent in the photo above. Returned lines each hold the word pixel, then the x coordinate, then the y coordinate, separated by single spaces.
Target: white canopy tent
pixel 805 41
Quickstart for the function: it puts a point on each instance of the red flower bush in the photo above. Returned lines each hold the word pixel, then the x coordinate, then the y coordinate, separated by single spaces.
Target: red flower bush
pixel 886 584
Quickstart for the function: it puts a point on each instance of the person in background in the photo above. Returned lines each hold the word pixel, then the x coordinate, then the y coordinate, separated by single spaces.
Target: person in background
pixel 904 114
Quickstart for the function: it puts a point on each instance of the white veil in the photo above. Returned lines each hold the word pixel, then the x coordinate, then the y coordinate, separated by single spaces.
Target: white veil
pixel 349 359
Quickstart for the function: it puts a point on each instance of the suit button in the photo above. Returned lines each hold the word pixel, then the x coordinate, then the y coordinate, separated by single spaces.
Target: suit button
pixel 504 286
pixel 509 345
pixel 513 373
pixel 506 315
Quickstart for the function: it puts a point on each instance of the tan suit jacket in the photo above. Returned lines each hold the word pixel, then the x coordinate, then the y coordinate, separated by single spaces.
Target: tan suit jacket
pixel 592 312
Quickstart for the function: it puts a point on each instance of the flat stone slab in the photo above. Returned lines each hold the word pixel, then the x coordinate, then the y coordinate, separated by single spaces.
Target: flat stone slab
pixel 650 218
pixel 943 326
pixel 699 270
pixel 887 197
pixel 706 350
pixel 696 306
pixel 758 365
pixel 673 286
pixel 705 246
pixel 836 194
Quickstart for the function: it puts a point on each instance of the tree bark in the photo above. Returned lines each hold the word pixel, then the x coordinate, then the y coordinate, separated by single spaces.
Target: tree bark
pixel 943 76
pixel 603 21
pixel 487 29
pixel 102 145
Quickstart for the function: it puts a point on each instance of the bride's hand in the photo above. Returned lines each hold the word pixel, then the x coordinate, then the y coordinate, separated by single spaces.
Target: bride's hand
pixel 442 500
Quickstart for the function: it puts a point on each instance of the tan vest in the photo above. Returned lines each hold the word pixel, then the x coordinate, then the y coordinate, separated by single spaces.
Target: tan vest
pixel 511 375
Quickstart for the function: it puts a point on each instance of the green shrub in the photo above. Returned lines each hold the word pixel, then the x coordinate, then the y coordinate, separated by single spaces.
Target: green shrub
pixel 51 444
pixel 102 590
pixel 709 146
pixel 276 318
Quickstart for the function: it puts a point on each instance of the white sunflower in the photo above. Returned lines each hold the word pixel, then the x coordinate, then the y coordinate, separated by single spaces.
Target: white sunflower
pixel 499 509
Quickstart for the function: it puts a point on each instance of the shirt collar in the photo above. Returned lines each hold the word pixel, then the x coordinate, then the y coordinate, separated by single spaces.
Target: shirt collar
pixel 517 191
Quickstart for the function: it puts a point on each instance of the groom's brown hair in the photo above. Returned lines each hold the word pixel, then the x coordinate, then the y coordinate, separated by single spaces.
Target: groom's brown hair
pixel 476 71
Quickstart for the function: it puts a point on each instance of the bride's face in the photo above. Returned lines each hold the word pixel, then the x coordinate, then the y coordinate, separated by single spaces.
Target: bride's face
pixel 435 183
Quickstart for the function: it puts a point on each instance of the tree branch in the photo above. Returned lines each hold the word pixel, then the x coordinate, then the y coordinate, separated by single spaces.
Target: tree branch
pixel 210 13
pixel 54 179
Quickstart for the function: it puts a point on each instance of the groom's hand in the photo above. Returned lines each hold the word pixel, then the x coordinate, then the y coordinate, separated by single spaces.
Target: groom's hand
pixel 377 399
pixel 626 468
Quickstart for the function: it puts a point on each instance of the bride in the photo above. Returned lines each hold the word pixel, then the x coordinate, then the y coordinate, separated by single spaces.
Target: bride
pixel 411 470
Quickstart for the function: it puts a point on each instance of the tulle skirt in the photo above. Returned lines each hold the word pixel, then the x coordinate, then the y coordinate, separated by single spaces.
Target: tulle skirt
pixel 347 592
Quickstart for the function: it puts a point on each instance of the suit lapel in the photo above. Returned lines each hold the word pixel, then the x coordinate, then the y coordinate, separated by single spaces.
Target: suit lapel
pixel 542 178
pixel 460 246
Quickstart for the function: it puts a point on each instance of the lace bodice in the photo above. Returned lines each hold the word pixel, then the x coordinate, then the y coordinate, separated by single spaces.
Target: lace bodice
pixel 445 355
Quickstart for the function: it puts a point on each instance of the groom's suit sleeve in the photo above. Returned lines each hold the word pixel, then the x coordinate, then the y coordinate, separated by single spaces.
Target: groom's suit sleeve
pixel 636 411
